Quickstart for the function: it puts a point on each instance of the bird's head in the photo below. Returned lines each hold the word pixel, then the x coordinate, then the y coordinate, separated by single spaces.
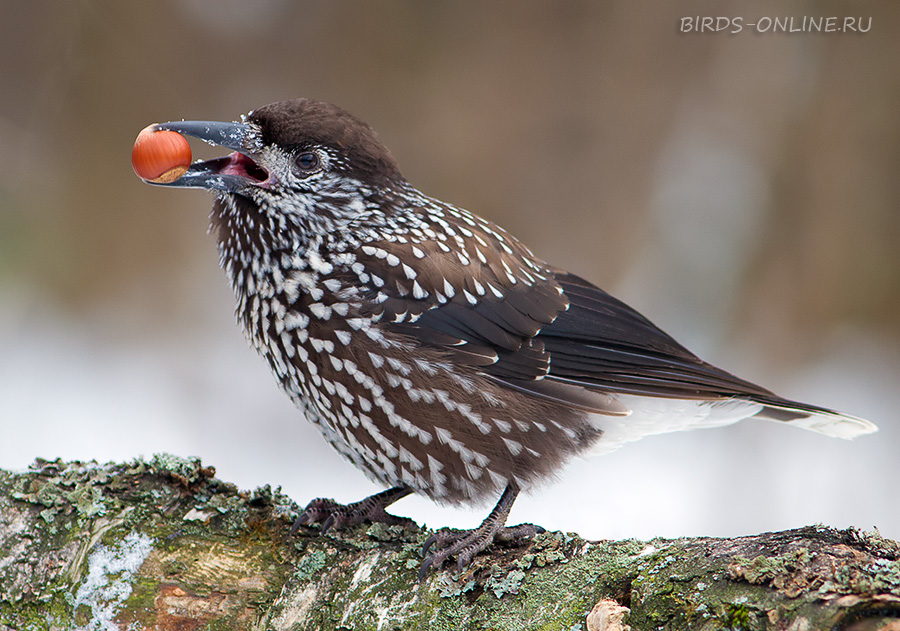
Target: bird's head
pixel 299 145
pixel 300 164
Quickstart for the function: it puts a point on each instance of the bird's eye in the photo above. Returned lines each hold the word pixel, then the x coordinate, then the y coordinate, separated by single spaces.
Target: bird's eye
pixel 308 162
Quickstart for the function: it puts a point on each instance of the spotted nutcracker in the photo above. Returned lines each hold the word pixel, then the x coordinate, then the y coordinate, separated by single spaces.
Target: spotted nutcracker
pixel 428 345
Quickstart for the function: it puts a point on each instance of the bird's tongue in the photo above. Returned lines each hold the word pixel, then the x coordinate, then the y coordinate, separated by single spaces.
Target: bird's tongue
pixel 238 164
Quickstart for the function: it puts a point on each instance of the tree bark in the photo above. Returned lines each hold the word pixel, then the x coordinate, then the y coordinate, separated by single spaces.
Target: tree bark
pixel 162 544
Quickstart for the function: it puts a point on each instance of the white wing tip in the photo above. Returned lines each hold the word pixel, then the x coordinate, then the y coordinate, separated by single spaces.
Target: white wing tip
pixel 835 424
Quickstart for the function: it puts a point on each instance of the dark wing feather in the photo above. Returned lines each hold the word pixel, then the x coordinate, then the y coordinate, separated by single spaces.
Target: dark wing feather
pixel 603 343
pixel 539 330
pixel 594 315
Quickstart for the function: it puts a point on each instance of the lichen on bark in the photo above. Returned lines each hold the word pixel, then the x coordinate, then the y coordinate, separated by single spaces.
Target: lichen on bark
pixel 163 544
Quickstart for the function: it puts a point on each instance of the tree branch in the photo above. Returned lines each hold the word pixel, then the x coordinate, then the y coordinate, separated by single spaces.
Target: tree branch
pixel 163 544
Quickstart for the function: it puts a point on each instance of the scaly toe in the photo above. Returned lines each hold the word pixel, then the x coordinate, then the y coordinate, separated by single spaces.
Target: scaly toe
pixel 330 514
pixel 518 535
pixel 465 546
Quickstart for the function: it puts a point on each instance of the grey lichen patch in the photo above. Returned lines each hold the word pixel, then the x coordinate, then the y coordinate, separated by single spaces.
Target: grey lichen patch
pixel 44 513
pixel 788 572
pixel 384 532
pixel 547 549
pixel 830 564
pixel 508 583
pixel 881 576
pixel 280 505
pixel 310 564
pixel 502 571
pixel 187 471
pixel 449 586
pixel 30 564
pixel 64 489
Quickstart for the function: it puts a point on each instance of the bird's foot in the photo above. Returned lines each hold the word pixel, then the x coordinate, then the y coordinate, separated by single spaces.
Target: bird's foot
pixel 465 545
pixel 331 514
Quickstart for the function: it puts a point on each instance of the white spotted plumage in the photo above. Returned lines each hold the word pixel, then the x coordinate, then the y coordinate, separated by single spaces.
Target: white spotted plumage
pixel 324 283
pixel 411 331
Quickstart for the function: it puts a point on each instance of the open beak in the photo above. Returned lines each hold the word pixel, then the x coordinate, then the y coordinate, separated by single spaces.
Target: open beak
pixel 233 173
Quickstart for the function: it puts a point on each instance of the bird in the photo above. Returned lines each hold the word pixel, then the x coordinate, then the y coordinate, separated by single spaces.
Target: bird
pixel 429 346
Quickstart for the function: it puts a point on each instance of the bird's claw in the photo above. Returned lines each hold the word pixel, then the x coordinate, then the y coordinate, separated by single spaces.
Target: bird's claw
pixel 467 544
pixel 331 514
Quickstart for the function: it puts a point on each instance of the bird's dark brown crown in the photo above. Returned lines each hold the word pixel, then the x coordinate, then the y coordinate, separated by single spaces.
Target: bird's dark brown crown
pixel 304 123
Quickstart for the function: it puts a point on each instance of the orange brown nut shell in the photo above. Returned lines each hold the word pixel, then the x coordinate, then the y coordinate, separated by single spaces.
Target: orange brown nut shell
pixel 160 156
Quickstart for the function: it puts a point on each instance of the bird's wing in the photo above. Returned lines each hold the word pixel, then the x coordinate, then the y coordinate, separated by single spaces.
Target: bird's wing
pixel 477 293
pixel 470 289
pixel 602 342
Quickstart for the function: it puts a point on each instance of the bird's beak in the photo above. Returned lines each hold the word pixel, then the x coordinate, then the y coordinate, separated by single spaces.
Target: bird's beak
pixel 233 173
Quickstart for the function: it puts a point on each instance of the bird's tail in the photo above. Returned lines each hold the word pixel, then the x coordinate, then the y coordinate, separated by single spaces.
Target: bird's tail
pixel 821 420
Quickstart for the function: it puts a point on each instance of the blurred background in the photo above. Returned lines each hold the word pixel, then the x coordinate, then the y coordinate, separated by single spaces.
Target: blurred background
pixel 741 190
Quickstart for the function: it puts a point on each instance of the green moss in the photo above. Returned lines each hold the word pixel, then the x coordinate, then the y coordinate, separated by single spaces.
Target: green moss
pixel 736 618
pixel 141 603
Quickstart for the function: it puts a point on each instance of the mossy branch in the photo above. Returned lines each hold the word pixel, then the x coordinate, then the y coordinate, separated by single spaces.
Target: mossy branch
pixel 163 544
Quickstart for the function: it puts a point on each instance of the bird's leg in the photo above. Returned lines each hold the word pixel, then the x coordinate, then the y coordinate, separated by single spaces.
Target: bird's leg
pixel 333 515
pixel 467 544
